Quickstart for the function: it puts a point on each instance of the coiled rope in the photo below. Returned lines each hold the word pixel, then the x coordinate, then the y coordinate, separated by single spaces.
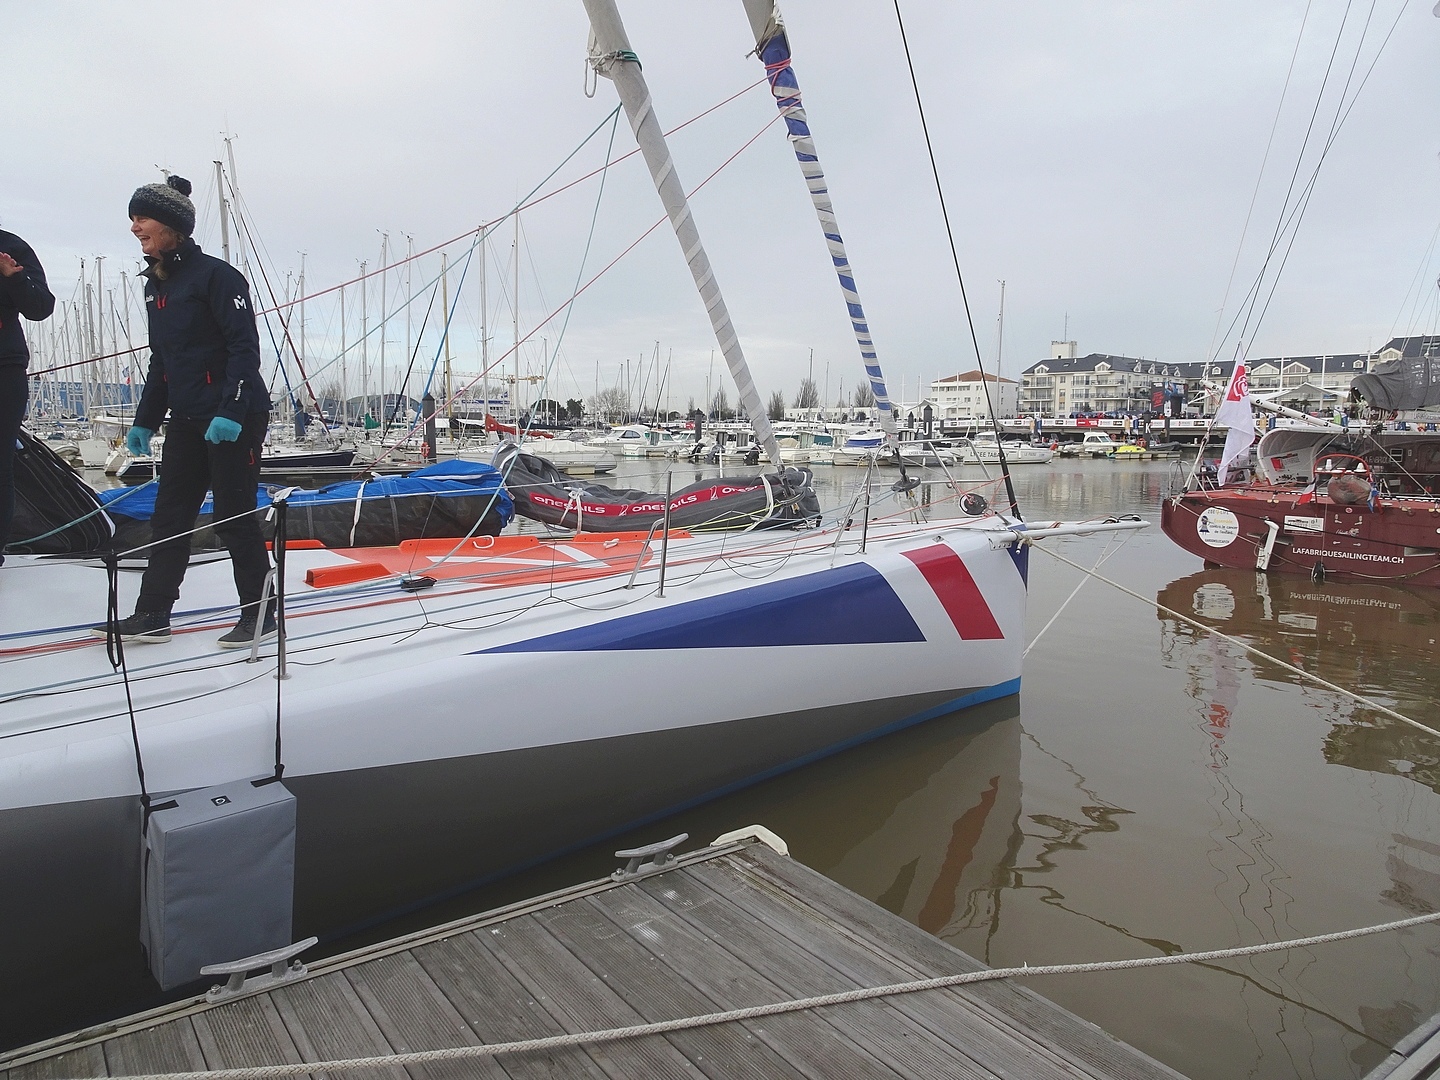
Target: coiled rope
pixel 729 1016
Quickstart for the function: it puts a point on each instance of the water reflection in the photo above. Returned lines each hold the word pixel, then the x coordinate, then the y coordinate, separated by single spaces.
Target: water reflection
pixel 1378 640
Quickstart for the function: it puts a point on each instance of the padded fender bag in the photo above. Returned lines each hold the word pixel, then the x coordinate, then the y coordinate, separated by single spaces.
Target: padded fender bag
pixel 56 512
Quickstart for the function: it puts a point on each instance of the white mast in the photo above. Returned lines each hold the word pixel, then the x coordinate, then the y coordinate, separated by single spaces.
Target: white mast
pixel 612 57
pixel 384 325
pixel 515 326
pixel 364 350
pixel 344 367
pixel 1000 337
pixel 484 343
pixel 409 307
pixel 224 210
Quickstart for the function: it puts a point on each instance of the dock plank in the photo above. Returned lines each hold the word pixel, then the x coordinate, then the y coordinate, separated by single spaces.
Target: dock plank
pixel 499 1009
pixel 1064 1032
pixel 414 1014
pixel 642 975
pixel 249 1033
pixel 173 1048
pixel 84 1062
pixel 328 1021
pixel 804 960
pixel 581 999
pixel 743 977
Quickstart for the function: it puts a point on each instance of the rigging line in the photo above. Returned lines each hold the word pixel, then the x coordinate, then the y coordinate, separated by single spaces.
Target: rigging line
pixel 454 239
pixel 1255 195
pixel 1112 545
pixel 1421 291
pixel 584 257
pixel 498 361
pixel 536 202
pixel 405 381
pixel 1299 159
pixel 955 257
pixel 1310 677
pixel 1336 124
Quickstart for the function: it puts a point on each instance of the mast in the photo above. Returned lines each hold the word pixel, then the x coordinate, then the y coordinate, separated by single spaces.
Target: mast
pixel 344 367
pixel 384 327
pixel 484 344
pixel 364 350
pixel 773 50
pixel 612 57
pixel 224 210
pixel 445 300
pixel 301 362
pixel 515 329
pixel 409 308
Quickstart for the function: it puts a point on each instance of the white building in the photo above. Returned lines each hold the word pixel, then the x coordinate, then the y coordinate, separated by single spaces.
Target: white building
pixel 962 398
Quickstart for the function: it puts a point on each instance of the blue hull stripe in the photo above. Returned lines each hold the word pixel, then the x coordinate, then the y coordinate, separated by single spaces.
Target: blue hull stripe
pixel 852 605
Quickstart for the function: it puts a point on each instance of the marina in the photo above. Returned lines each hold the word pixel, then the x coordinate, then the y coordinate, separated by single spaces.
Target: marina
pixel 1123 763
pixel 1264 809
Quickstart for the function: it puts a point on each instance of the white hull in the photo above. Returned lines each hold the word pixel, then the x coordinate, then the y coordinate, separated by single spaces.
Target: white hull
pixel 438 739
pixel 362 657
pixel 847 456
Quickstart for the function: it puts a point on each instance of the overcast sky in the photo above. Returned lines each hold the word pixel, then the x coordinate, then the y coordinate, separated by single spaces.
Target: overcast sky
pixel 1098 157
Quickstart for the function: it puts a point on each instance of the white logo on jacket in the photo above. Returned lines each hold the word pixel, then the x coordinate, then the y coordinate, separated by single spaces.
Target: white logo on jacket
pixel 239 303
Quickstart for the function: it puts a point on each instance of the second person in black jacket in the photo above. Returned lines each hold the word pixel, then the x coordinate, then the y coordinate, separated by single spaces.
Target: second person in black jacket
pixel 205 370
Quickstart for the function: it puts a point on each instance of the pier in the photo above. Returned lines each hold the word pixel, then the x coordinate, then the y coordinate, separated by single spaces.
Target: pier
pixel 734 926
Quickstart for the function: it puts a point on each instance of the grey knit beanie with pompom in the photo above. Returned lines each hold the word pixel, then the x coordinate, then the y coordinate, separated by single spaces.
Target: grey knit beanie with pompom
pixel 168 203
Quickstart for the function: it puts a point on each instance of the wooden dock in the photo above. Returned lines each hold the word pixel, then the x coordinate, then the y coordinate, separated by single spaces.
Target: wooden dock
pixel 727 927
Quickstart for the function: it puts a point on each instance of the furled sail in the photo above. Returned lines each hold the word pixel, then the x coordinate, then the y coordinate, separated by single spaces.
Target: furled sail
pixel 611 56
pixel 773 48
pixel 1411 381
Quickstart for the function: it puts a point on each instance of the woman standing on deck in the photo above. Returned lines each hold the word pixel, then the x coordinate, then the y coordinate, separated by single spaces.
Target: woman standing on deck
pixel 205 370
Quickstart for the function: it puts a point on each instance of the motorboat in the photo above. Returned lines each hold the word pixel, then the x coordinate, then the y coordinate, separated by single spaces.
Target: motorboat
pixel 1095 444
pixel 864 447
pixel 277 463
pixel 568 455
pixel 925 453
pixel 983 448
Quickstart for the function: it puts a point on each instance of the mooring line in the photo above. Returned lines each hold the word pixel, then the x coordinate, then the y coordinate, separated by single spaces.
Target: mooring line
pixel 663 1027
pixel 1360 698
pixel 1111 547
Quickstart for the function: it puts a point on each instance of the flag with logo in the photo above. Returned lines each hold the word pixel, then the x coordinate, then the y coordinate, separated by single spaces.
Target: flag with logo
pixel 1234 412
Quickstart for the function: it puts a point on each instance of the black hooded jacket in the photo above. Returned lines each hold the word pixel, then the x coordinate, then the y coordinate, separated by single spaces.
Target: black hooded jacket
pixel 25 294
pixel 204 345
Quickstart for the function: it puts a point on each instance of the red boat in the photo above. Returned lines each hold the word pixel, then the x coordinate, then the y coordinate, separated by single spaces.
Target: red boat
pixel 1349 505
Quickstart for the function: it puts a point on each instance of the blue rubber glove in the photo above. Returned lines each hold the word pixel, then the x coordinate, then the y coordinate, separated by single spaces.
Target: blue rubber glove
pixel 137 441
pixel 222 430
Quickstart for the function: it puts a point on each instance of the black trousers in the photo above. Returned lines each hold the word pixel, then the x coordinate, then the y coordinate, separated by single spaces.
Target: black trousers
pixel 190 466
pixel 14 392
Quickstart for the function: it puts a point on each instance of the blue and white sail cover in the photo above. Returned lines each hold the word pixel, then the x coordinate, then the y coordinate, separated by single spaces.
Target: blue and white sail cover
pixel 773 48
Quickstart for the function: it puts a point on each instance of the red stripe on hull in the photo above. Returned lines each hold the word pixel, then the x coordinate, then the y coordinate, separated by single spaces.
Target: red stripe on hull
pixel 946 573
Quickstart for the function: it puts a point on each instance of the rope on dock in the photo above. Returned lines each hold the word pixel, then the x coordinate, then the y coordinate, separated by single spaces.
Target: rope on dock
pixel 1361 699
pixel 664 1027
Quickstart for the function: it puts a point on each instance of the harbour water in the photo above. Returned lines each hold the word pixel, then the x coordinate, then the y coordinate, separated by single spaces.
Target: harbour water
pixel 1154 789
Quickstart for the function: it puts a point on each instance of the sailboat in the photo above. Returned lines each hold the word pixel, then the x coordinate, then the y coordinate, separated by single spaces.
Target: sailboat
pixel 448 710
pixel 1357 504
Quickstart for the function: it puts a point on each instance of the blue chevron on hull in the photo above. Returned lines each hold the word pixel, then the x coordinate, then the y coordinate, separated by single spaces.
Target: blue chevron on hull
pixel 850 605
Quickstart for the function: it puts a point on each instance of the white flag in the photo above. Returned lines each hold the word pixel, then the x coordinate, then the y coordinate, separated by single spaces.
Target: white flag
pixel 1234 411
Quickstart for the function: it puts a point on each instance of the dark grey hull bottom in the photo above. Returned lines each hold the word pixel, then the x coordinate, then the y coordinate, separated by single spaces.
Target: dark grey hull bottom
pixel 375 842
